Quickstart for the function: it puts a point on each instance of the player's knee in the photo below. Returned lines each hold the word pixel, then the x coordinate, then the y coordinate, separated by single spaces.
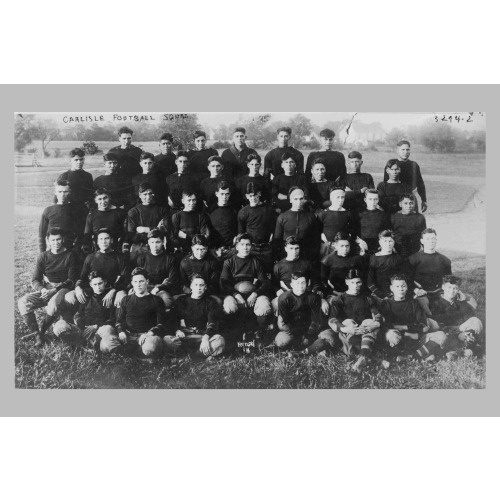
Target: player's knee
pixel 109 344
pixel 230 305
pixel 473 324
pixel 262 306
pixel 283 339
pixel 217 345
pixel 70 298
pixel 432 324
pixel 106 331
pixel 349 322
pixel 169 343
pixel 439 337
pixel 61 328
pixel 329 336
pixel 274 305
pixel 393 337
pixel 23 306
pixel 153 346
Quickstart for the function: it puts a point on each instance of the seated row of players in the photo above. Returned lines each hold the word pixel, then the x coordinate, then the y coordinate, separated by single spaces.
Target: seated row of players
pixel 153 314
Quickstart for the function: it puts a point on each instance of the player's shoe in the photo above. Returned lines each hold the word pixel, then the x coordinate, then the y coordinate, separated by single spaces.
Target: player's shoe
pixel 451 355
pixel 360 364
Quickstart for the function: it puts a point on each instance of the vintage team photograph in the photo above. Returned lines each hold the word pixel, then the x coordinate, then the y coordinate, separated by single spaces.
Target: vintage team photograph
pixel 269 250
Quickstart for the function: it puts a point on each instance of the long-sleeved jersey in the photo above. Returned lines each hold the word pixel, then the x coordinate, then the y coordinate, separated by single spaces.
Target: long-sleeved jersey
pixel 137 315
pixel 63 216
pixel 335 268
pixel 81 184
pixel 120 192
pixel 198 162
pixel 411 175
pixel 284 269
pixel 300 314
pixel 370 224
pixel 282 184
pixel 236 269
pixel 380 270
pixel 451 313
pixel 354 307
pixel 146 216
pixel 179 183
pixel 258 222
pixel 235 161
pixel 209 268
pixel 110 264
pixel 157 182
pixel 356 182
pixel 407 231
pixel 128 159
pixel 190 223
pixel 272 160
pixel 333 221
pixel 113 219
pixel 163 270
pixel 334 163
pixel 202 314
pixel 260 183
pixel 428 269
pixel 390 192
pixel 224 226
pixel 93 312
pixel 319 193
pixel 405 312
pixel 59 268
pixel 165 164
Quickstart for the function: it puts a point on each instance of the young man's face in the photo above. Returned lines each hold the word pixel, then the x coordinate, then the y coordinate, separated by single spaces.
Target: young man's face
pixel 200 142
pixel 147 197
pixel 182 164
pixel 354 165
pixel 125 140
pixel 165 146
pixel 386 244
pixel 283 138
pixel 104 241
pixel 199 251
pixel 243 248
pixel 292 252
pixel 297 199
pixel 198 288
pixel 139 284
pixel 354 286
pixel 111 167
pixel 326 142
pixel 318 172
pixel 403 152
pixel 189 202
pixel 102 201
pixel 253 198
pixel 77 162
pixel 371 200
pixel 399 289
pixel 253 167
pixel 450 291
pixel 429 242
pixel 337 198
pixel 407 206
pixel 55 242
pixel 289 166
pixel 62 194
pixel 239 139
pixel 342 248
pixel 147 165
pixel 299 285
pixel 393 172
pixel 215 168
pixel 98 285
pixel 223 196
pixel 155 245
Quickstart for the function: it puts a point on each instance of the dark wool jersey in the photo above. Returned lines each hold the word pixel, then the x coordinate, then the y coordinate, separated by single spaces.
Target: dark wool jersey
pixel 390 192
pixel 333 221
pixel 113 219
pixel 157 182
pixel 284 269
pixel 110 265
pixel 209 268
pixel 356 182
pixel 282 184
pixel 355 307
pixel 300 312
pixel 370 224
pixel 272 160
pixel 301 224
pixel 235 161
pixel 190 223
pixel 81 184
pixel 405 312
pixel 335 268
pixel 208 187
pixel 139 315
pixel 236 269
pixel 319 193
pixel 198 162
pixel 428 269
pixel 410 175
pixel 451 313
pixel 93 312
pixel 165 164
pixel 128 160
pixel 260 183
pixel 224 224
pixel 163 271
pixel 63 216
pixel 408 230
pixel 258 222
pixel 120 193
pixel 380 270
pixel 202 314
pixel 178 183
pixel 147 216
pixel 57 268
pixel 334 163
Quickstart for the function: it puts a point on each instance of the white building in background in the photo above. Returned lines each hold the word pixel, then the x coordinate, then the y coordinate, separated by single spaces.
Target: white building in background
pixel 361 133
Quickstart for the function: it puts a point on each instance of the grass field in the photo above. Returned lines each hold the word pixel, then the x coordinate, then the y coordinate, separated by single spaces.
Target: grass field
pixel 58 366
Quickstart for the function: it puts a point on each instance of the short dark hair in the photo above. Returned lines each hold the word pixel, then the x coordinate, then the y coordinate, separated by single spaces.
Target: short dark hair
pixel 139 271
pixel 428 230
pixel 215 158
pixel 391 163
pixel 240 129
pixel 100 191
pixel 293 188
pixel 223 185
pixel 317 161
pixel 408 195
pixel 125 130
pixel 371 191
pixel 110 157
pixel 253 188
pixel 199 239
pixel 453 280
pixel 327 132
pixel 145 156
pixel 76 152
pixel 335 187
pixel 355 154
pixel 56 231
pixel 104 230
pixel 199 133
pixel 145 186
pixel 342 235
pixel 62 183
pixel 243 236
pixel 253 157
pixel 96 274
pixel 189 192
pixel 167 137
pixel 386 233
pixel 286 156
pixel 354 273
pixel 297 275
pixel 291 240
pixel 399 277
pixel 404 141
pixel 288 130
pixel 155 233
pixel 181 152
pixel 197 276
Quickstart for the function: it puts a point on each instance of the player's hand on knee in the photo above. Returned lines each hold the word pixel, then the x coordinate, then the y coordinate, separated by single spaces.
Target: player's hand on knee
pixel 241 301
pixel 252 299
pixel 123 337
pixel 80 295
pixel 205 345
pixel 393 337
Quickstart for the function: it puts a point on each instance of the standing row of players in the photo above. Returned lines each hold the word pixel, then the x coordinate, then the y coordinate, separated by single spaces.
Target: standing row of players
pixel 244 283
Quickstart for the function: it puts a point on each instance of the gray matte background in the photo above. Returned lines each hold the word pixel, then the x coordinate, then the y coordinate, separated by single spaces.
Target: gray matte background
pixel 243 98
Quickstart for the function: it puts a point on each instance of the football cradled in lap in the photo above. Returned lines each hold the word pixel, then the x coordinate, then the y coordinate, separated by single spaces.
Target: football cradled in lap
pixel 245 287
